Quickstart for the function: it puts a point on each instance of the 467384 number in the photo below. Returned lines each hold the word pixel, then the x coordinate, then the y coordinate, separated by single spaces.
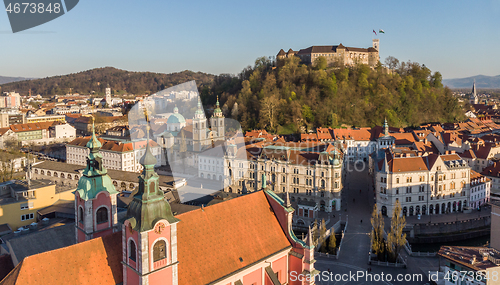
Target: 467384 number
pixel 33 8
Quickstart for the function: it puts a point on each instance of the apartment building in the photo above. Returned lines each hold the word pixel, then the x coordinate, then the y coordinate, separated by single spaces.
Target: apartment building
pixel 432 184
pixel 19 201
pixel 480 188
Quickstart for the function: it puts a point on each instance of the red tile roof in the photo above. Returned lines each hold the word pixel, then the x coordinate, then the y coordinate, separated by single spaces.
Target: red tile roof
pixel 97 261
pixel 212 240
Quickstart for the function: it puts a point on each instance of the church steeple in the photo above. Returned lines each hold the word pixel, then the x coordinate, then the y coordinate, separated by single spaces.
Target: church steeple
pixel 95 177
pixel 217 111
pixel 95 197
pixel 149 204
pixel 149 230
pixel 386 127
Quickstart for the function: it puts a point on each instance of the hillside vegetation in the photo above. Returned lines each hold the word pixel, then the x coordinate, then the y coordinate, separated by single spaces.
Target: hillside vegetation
pixel 121 81
pixel 294 97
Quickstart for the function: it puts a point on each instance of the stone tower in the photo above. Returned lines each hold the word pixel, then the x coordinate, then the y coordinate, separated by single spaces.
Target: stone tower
pixel 376 43
pixel 95 197
pixel 199 128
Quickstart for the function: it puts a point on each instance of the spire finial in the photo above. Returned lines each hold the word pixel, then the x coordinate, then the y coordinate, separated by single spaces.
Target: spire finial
pixel 287 200
pixel 309 240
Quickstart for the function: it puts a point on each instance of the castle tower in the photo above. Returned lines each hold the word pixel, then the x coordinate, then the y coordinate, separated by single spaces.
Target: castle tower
pixel 217 123
pixel 199 128
pixel 149 233
pixel 376 43
pixel 95 197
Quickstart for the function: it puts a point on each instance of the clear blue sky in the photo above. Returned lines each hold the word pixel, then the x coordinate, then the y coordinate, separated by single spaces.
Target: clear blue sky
pixel 456 37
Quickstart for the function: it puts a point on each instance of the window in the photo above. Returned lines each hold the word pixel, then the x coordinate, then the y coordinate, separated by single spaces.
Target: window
pixel 397 190
pixel 27 217
pixel 131 250
pixel 80 215
pixel 159 250
pixel 397 180
pixel 102 215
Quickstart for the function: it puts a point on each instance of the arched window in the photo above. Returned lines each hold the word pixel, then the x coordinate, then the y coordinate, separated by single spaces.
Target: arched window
pixel 62 175
pixel 102 215
pixel 76 177
pixel 69 176
pixel 131 250
pixel 115 183
pixel 131 186
pixel 80 215
pixel 42 172
pixel 49 173
pixel 36 171
pixel 123 185
pixel 55 174
pixel 159 250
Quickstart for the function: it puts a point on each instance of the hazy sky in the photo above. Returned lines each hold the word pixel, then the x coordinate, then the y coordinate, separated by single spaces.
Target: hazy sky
pixel 456 37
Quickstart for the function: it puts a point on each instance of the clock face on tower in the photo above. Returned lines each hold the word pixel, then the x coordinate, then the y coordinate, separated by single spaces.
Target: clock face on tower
pixel 159 228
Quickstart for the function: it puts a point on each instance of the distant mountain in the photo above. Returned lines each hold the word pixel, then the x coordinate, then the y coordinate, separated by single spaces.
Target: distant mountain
pixel 96 80
pixel 482 81
pixel 5 79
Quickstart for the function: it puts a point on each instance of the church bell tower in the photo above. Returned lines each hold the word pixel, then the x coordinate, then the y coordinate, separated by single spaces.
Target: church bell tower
pixel 149 232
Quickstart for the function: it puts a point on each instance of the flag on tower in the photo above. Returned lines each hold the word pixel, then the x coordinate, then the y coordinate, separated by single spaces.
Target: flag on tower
pixel 381 31
pixel 374 32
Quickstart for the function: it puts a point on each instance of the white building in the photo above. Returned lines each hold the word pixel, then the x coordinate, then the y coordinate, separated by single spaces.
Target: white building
pixel 480 187
pixel 121 155
pixel 435 184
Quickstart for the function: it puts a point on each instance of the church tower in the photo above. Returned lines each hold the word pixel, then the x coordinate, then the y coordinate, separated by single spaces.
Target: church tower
pixel 473 95
pixel 149 233
pixel 199 128
pixel 95 197
pixel 217 123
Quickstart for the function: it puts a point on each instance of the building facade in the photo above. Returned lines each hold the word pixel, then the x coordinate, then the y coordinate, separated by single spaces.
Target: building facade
pixel 117 154
pixel 433 184
pixel 306 175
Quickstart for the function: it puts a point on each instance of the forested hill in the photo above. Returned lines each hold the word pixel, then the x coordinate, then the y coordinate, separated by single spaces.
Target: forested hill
pixel 291 96
pixel 121 81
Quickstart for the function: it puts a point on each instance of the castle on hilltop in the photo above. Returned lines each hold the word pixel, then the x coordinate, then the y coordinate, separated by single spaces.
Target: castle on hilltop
pixel 338 54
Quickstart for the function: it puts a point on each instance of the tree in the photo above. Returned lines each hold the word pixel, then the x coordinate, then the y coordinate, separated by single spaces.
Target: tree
pixel 377 235
pixel 396 239
pixel 321 63
pixel 333 242
pixel 391 62
pixel 322 233
pixel 269 113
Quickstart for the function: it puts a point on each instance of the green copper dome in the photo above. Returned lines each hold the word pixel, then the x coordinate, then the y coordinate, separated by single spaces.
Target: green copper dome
pixel 149 204
pixel 176 119
pixel 95 177
pixel 148 158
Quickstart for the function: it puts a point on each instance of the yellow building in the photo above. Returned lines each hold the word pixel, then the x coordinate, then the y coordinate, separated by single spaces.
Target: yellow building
pixel 48 118
pixel 19 202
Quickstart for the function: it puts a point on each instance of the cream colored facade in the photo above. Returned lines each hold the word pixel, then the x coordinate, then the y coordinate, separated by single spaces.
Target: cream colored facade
pixel 437 188
pixel 19 204
pixel 318 179
pixel 118 160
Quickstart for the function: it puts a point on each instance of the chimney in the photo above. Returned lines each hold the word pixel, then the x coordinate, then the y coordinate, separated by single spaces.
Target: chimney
pixel 473 259
pixel 447 152
pixel 485 256
pixel 452 152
